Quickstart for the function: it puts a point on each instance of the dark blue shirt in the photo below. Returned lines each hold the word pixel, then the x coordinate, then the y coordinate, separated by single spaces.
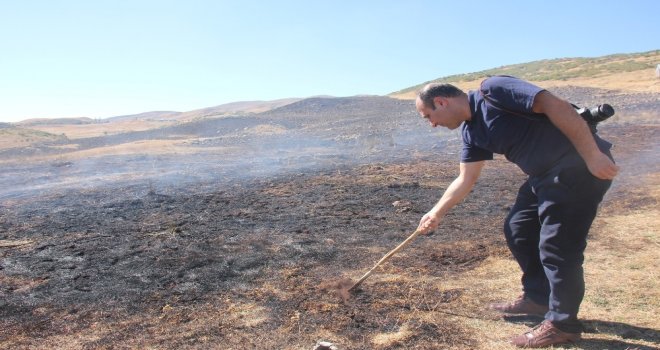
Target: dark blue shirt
pixel 531 142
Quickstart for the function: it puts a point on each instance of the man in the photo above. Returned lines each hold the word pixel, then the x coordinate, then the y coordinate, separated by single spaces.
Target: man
pixel 569 169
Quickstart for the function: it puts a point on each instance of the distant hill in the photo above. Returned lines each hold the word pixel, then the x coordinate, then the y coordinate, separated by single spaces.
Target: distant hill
pixel 56 121
pixel 232 108
pixel 585 81
pixel 634 72
pixel 325 107
pixel 315 113
pixel 237 108
pixel 155 115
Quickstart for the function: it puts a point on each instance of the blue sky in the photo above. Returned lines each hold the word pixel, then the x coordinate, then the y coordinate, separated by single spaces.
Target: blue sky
pixel 100 59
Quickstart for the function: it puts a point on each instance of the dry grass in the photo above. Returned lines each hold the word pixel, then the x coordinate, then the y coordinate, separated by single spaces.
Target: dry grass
pixel 156 147
pixel 36 134
pixel 265 129
pixel 628 72
pixel 6 243
pixel 101 129
pixel 19 137
pixel 626 254
pixel 634 82
pixel 621 272
pixel 151 147
pixel 637 81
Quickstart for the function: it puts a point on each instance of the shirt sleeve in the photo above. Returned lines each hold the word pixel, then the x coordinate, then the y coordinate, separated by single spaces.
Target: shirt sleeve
pixel 471 153
pixel 511 93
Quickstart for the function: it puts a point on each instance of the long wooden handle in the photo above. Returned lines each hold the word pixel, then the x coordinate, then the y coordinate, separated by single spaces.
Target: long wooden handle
pixel 385 258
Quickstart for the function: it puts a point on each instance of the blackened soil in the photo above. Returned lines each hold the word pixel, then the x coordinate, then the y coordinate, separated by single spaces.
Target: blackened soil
pixel 242 266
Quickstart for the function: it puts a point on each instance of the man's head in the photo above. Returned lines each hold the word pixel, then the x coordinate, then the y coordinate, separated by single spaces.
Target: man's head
pixel 443 104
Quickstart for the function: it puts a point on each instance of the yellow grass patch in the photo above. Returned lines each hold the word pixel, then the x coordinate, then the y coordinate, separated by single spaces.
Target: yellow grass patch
pixel 101 129
pixel 151 147
pixel 390 339
pixel 20 137
pixel 7 243
pixel 624 264
pixel 265 129
pixel 637 81
pixel 248 315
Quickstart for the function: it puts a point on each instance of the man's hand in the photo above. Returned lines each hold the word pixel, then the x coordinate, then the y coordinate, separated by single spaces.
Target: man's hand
pixel 428 223
pixel 602 167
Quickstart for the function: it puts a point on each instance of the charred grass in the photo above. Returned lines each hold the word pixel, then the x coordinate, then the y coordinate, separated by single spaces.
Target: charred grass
pixel 242 267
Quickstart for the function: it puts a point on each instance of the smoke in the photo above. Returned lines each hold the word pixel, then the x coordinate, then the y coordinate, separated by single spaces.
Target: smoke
pixel 205 155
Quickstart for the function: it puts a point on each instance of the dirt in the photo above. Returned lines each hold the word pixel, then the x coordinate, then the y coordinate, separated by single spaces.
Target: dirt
pixel 244 264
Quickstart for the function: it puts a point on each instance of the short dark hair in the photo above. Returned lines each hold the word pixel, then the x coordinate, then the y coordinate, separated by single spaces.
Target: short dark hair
pixel 433 90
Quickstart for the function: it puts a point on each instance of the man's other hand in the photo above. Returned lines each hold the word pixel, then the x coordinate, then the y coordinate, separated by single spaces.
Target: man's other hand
pixel 602 167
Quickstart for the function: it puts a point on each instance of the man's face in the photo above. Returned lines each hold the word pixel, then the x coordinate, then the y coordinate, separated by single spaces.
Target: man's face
pixel 441 115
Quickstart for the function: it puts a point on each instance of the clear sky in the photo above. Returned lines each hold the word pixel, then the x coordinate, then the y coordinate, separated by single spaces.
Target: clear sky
pixel 103 58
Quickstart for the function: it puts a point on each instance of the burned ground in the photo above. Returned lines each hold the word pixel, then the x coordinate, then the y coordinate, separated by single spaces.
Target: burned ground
pixel 271 242
pixel 241 263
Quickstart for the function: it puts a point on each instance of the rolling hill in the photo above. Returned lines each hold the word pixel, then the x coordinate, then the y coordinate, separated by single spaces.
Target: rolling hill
pixel 615 79
pixel 634 72
pixel 232 108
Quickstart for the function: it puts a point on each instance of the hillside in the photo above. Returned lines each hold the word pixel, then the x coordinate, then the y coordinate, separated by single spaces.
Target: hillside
pixel 237 108
pixel 633 72
pixel 613 75
pixel 78 128
pixel 154 115
pixel 16 137
pixel 337 122
pixel 232 108
pixel 55 121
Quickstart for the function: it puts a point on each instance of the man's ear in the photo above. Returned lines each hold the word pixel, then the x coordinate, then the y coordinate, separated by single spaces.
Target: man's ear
pixel 439 101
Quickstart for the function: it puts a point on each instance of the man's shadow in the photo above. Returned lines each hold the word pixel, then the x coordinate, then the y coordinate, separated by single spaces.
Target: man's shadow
pixel 622 330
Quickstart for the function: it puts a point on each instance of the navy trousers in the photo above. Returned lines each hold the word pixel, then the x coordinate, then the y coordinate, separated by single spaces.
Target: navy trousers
pixel 546 231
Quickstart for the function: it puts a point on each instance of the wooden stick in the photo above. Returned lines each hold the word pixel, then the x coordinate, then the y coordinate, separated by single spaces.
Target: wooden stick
pixel 385 258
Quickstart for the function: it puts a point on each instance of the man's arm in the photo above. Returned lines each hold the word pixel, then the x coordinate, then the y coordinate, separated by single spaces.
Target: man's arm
pixel 566 119
pixel 454 194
